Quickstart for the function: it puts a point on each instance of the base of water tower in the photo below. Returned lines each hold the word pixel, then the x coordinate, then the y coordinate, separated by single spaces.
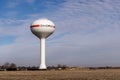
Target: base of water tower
pixel 43 67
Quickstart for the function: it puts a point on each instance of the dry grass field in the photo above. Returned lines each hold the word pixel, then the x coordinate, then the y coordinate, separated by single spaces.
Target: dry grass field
pixel 109 74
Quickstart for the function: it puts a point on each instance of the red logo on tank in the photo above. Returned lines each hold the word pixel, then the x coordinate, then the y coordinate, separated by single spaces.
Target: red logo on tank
pixel 34 26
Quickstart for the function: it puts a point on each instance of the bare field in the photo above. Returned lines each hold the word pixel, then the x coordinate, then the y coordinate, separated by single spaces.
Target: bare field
pixel 109 74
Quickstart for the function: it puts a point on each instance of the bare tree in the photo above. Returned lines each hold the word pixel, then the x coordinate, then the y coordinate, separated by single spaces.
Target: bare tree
pixel 12 65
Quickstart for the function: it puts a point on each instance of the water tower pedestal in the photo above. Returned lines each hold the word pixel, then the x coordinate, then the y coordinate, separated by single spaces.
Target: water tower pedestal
pixel 42 46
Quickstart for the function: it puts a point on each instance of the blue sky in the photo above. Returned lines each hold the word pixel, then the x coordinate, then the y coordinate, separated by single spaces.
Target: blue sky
pixel 87 32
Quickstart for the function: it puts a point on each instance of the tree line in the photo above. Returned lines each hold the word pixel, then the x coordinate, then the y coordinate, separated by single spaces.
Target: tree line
pixel 13 67
pixel 8 66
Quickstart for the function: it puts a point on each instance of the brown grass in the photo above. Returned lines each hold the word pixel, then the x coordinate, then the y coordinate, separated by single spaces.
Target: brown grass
pixel 61 75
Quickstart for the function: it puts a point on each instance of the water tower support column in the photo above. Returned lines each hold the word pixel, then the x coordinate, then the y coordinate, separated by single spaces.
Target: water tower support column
pixel 42 65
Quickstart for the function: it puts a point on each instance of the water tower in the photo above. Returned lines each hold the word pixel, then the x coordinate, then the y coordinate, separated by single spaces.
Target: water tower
pixel 42 28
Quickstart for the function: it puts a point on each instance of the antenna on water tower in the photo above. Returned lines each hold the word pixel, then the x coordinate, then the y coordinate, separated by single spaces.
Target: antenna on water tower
pixel 42 28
